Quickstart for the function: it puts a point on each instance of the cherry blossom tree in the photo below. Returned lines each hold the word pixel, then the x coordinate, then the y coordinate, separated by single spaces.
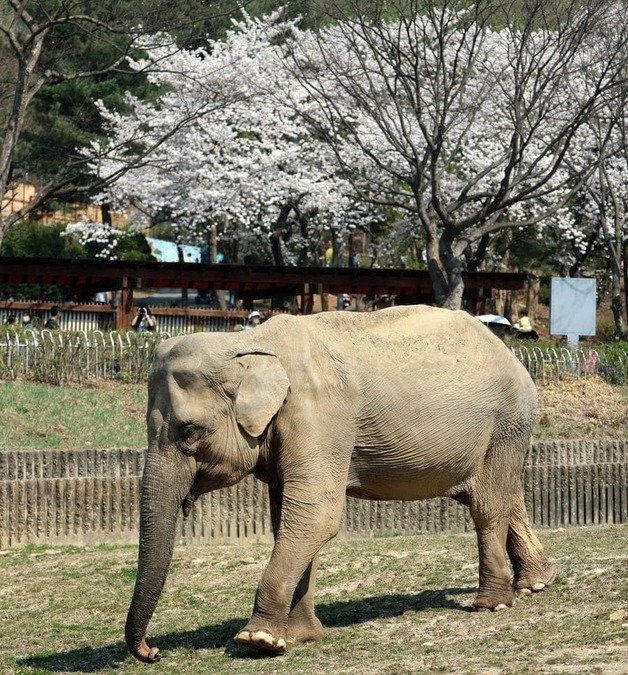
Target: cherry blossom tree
pixel 470 117
pixel 239 162
pixel 602 204
pixel 434 127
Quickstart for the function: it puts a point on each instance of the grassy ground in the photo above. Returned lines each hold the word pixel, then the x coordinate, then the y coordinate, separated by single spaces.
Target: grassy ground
pixel 99 415
pixel 106 414
pixel 394 605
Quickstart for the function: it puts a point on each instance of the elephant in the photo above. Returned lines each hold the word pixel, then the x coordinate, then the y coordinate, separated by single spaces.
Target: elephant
pixel 404 403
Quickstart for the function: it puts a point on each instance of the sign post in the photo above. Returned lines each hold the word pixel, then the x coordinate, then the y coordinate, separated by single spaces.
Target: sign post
pixel 572 308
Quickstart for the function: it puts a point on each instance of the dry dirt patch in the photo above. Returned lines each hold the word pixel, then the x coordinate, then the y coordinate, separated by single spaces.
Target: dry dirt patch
pixel 582 408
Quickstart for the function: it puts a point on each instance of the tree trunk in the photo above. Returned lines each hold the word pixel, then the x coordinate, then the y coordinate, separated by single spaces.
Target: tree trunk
pixel 533 287
pixel 445 272
pixel 615 254
pixel 22 95
pixel 275 237
pixel 624 245
pixel 613 248
pixel 213 243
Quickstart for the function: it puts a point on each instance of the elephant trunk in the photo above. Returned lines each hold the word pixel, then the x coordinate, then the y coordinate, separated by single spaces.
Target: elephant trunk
pixel 163 490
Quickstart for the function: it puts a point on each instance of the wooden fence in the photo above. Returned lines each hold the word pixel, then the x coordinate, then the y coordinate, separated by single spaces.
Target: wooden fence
pixel 92 496
pixel 103 317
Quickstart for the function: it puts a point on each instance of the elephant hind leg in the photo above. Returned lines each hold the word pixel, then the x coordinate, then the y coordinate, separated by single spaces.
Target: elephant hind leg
pixel 533 571
pixel 495 590
pixel 490 506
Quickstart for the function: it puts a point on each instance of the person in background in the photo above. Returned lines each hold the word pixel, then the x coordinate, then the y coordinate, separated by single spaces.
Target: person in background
pixel 523 328
pixel 53 321
pixel 254 319
pixel 11 320
pixel 143 321
pixel 329 254
pixel 27 322
pixel 525 325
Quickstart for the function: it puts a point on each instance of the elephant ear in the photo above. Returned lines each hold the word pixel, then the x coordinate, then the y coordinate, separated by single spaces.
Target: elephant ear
pixel 262 391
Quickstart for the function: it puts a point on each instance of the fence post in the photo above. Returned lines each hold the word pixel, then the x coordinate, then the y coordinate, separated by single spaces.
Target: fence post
pixel 124 311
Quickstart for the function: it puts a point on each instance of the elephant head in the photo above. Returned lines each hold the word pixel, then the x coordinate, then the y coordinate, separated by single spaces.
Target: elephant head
pixel 209 402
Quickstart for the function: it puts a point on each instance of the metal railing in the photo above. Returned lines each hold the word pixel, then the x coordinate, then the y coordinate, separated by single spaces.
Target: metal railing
pixel 75 356
pixel 58 357
pixel 557 363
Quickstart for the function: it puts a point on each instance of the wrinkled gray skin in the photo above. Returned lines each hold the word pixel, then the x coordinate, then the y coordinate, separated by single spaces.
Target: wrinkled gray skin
pixel 404 403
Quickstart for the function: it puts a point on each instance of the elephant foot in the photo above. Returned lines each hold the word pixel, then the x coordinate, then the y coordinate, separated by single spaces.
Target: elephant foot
pixel 257 634
pixel 304 628
pixel 534 581
pixel 493 601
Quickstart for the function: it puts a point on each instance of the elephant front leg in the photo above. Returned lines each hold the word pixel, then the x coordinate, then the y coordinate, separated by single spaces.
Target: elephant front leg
pixel 284 602
pixel 303 624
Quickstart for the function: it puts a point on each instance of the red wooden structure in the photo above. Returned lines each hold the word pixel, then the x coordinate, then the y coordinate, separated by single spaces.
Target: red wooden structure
pixel 86 277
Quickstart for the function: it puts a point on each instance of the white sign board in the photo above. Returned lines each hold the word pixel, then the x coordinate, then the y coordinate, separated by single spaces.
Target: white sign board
pixel 573 305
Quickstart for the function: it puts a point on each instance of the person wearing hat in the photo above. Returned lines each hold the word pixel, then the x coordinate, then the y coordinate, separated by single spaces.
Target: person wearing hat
pixel 254 319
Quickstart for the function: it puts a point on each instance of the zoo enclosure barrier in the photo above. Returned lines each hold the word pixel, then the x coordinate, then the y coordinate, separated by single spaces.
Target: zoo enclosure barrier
pixel 93 496
pixel 99 316
pixel 75 356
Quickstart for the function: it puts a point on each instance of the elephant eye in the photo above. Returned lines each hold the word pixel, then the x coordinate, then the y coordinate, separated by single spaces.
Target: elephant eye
pixel 190 434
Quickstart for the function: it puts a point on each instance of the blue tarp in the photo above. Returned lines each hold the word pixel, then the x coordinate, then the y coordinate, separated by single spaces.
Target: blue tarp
pixel 166 251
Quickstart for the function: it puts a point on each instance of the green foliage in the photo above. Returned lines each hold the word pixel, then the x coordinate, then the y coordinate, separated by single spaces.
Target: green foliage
pixel 134 247
pixel 605 330
pixel 131 246
pixel 32 239
pixel 614 361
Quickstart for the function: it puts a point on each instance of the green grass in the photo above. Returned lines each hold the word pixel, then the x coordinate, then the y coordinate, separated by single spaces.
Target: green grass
pixel 394 605
pixel 101 415
pixel 106 414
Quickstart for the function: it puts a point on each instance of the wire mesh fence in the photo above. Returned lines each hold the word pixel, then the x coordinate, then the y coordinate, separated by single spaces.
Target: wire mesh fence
pixel 60 357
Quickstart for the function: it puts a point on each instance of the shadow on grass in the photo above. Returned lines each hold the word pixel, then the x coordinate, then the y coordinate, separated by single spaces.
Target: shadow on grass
pixel 342 613
pixel 92 659
pixel 347 613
